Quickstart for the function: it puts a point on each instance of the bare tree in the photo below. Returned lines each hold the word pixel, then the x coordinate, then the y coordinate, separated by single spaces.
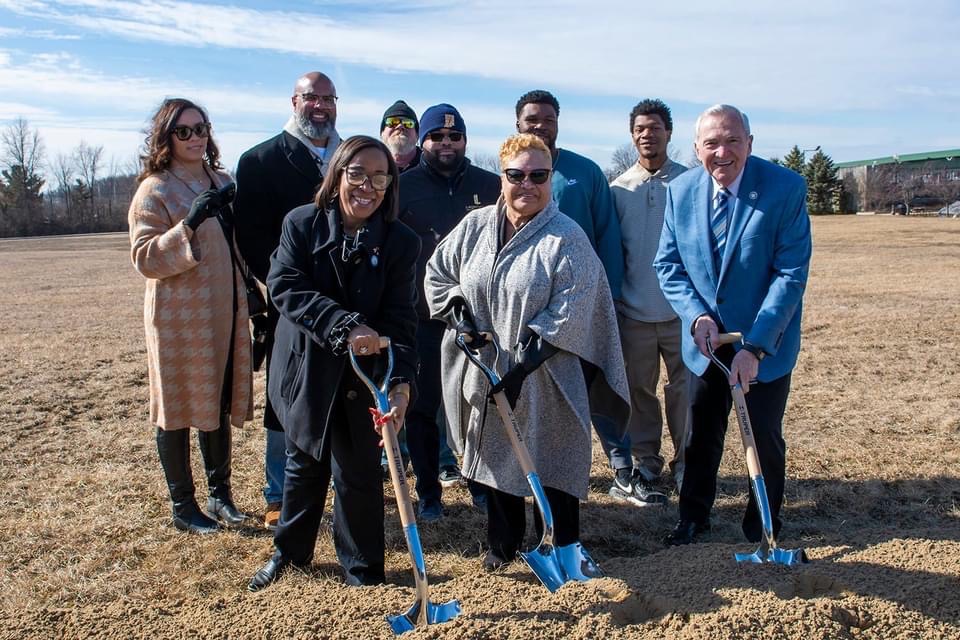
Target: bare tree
pixel 22 146
pixel 622 158
pixel 486 161
pixel 88 160
pixel 62 170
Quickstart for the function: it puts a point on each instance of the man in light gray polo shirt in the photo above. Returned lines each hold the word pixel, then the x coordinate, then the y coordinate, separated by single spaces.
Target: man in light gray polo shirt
pixel 649 329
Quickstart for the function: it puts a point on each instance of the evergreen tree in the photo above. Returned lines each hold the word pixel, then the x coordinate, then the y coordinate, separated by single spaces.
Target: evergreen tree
pixel 795 161
pixel 21 202
pixel 824 188
pixel 21 156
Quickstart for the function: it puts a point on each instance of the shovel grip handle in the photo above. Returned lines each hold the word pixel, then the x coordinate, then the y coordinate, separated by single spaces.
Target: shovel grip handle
pixel 729 338
pixel 513 433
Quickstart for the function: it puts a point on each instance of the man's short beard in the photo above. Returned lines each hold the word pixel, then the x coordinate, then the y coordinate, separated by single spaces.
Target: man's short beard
pixel 433 159
pixel 313 130
pixel 400 146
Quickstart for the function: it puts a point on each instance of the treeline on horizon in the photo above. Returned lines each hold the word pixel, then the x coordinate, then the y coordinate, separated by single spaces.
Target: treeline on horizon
pixel 82 192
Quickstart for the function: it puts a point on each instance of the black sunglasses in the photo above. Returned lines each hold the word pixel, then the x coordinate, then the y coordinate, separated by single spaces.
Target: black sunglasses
pixel 537 176
pixel 455 136
pixel 183 132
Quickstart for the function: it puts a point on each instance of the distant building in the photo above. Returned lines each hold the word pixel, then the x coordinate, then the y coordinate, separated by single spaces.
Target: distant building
pixel 907 183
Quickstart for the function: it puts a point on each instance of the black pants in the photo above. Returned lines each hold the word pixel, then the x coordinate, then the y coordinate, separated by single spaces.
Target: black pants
pixel 710 403
pixel 507 523
pixel 423 439
pixel 353 458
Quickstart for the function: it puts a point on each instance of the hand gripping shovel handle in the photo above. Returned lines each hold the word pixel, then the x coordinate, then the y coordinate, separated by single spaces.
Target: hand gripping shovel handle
pixel 503 406
pixel 390 442
pixel 768 551
pixel 553 566
pixel 422 612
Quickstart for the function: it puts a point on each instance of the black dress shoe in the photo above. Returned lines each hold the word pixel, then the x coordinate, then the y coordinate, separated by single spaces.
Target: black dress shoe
pixel 225 512
pixel 188 517
pixel 269 573
pixel 685 531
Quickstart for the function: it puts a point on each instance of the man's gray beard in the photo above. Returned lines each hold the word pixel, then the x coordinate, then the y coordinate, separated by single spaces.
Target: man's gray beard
pixel 400 147
pixel 313 130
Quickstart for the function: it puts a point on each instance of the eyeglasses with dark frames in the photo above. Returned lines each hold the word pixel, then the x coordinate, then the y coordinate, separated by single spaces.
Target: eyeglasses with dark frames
pixel 379 181
pixel 436 136
pixel 184 132
pixel 406 123
pixel 312 98
pixel 537 176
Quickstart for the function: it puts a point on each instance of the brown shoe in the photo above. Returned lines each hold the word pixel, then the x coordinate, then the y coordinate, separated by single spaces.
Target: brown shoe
pixel 272 516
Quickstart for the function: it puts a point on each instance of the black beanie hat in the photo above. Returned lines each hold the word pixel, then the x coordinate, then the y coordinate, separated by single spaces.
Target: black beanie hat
pixel 402 110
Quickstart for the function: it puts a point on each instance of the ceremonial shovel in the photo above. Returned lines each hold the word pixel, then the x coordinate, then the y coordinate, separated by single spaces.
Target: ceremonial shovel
pixel 422 612
pixel 768 550
pixel 552 565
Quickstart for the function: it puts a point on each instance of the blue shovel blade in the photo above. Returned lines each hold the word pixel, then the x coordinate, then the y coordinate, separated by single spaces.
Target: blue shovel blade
pixel 788 557
pixel 545 564
pixel 436 614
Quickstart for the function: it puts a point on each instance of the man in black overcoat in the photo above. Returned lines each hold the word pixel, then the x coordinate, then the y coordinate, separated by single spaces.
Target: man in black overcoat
pixel 273 178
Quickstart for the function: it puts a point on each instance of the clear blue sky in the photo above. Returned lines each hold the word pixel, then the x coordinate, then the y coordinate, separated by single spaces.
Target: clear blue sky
pixel 861 79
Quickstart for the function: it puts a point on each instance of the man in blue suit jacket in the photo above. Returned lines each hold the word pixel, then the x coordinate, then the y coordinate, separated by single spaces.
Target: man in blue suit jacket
pixel 734 255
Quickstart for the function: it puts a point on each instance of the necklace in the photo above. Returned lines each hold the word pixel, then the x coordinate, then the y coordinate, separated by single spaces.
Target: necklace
pixel 191 182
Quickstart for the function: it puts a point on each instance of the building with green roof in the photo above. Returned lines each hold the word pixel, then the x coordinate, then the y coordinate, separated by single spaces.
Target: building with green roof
pixel 904 183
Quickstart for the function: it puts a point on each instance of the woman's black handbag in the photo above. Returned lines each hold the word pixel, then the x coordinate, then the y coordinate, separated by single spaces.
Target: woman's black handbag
pixel 256 303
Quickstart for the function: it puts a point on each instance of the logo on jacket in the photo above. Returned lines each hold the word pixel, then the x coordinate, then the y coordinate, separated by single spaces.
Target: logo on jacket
pixel 571 182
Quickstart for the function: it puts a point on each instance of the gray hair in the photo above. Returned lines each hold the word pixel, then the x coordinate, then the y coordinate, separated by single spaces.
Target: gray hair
pixel 720 110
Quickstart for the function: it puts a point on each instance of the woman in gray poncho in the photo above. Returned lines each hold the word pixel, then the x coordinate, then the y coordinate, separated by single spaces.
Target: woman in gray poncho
pixel 527 273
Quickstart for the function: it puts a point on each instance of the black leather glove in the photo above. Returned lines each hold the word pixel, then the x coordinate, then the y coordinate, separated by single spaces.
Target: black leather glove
pixel 204 205
pixel 459 317
pixel 529 356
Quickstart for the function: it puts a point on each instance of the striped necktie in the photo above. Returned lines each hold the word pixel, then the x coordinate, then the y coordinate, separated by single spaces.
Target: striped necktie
pixel 718 225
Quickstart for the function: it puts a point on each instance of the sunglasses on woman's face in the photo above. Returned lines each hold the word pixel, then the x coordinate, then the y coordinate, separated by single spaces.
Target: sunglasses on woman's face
pixel 379 181
pixel 183 132
pixel 537 176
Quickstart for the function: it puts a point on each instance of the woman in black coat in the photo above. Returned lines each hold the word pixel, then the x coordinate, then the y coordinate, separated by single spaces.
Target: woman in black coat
pixel 343 275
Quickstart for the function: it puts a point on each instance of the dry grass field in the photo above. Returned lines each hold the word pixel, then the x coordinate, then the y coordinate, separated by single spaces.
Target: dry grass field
pixel 873 491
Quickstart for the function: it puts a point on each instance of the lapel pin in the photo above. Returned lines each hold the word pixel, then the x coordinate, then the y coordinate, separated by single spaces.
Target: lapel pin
pixel 753 195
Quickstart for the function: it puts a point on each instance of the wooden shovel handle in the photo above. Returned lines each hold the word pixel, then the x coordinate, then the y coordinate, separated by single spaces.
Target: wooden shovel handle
pixel 729 338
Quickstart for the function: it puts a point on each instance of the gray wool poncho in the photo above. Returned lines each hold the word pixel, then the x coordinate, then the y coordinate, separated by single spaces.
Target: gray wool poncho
pixel 546 279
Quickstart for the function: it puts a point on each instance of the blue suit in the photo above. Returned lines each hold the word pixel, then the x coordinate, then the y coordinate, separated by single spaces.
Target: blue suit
pixel 764 271
pixel 758 291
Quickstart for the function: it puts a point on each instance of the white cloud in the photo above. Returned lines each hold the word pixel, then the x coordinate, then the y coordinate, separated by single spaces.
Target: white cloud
pixel 760 55
pixel 782 64
pixel 13 110
pixel 41 34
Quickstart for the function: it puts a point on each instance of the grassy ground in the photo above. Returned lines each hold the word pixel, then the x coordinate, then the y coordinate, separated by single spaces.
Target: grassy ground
pixel 873 493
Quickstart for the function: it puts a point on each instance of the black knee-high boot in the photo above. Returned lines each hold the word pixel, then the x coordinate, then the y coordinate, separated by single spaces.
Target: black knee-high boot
pixel 215 449
pixel 174 449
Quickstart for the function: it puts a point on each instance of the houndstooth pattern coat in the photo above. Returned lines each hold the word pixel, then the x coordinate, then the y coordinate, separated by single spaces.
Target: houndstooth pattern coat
pixel 189 308
pixel 547 279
